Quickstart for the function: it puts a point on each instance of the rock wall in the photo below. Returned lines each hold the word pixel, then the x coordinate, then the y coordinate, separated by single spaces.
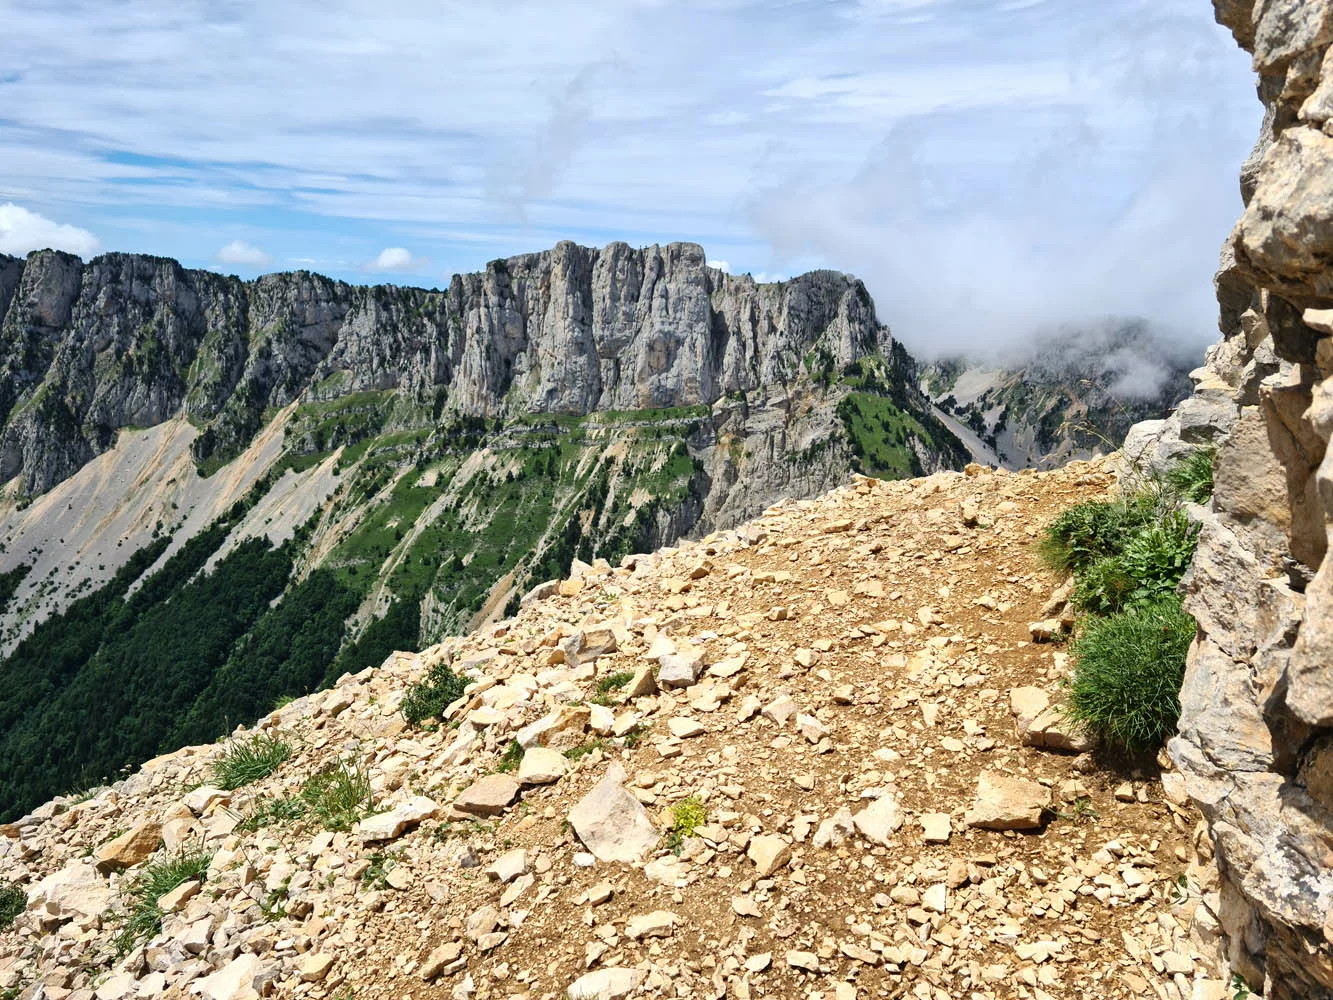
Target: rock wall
pixel 1256 732
pixel 129 340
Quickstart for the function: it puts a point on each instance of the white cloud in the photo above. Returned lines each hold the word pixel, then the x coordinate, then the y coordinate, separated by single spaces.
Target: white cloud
pixel 243 254
pixel 721 265
pixel 22 231
pixel 395 260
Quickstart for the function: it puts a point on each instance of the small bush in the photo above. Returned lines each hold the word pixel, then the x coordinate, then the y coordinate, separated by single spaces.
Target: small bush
pixel 13 901
pixel 1127 674
pixel 246 761
pixel 609 683
pixel 687 815
pixel 1191 478
pixel 1103 587
pixel 1087 532
pixel 339 795
pixel 429 697
pixel 1156 557
pixel 144 918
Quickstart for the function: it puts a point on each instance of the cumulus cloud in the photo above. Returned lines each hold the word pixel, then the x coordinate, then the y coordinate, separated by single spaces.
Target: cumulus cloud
pixel 22 231
pixel 396 260
pixel 721 265
pixel 243 254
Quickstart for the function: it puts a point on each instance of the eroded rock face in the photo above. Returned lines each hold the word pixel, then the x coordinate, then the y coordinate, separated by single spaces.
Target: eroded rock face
pixel 130 340
pixel 1257 703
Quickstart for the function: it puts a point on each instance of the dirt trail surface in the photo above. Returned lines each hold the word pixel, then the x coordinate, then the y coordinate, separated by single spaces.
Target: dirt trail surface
pixel 831 689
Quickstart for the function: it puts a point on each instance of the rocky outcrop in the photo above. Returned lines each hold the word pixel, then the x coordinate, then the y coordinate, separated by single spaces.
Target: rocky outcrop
pixel 129 340
pixel 1257 719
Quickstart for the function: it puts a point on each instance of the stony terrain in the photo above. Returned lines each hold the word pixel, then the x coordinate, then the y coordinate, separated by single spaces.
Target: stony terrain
pixel 847 695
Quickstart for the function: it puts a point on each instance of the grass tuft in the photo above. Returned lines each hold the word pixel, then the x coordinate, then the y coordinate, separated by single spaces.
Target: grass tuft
pixel 430 696
pixel 1090 531
pixel 247 761
pixel 339 795
pixel 1191 478
pixel 512 757
pixel 158 878
pixel 284 810
pixel 13 901
pixel 606 685
pixel 1128 671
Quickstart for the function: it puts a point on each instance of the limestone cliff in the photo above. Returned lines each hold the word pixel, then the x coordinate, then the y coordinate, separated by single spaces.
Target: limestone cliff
pixel 1256 733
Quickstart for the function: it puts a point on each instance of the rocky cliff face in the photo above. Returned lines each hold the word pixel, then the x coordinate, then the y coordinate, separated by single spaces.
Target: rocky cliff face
pixel 1256 733
pixel 128 340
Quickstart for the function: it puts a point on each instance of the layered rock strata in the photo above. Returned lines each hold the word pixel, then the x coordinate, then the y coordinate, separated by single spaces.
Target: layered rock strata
pixel 1256 733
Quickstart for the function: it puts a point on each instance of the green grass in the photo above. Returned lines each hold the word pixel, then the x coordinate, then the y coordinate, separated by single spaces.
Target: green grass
pixel 1191 478
pixel 512 757
pixel 1127 675
pixel 687 815
pixel 283 810
pixel 585 748
pixel 377 875
pixel 144 918
pixel 880 434
pixel 13 901
pixel 430 696
pixel 1090 531
pixel 247 761
pixel 611 682
pixel 339 795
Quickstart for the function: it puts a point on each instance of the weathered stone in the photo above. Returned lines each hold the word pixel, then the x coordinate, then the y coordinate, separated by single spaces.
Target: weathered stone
pixel 880 819
pixel 130 848
pixel 397 821
pixel 1006 803
pixel 489 796
pixel 769 854
pixel 239 979
pixel 605 984
pixel 542 766
pixel 612 823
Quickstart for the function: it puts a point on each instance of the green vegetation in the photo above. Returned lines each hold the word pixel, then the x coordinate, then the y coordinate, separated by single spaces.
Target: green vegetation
pixel 1126 685
pixel 687 815
pixel 339 795
pixel 1191 478
pixel 246 761
pixel 1128 557
pixel 430 696
pixel 283 810
pixel 13 901
pixel 606 685
pixel 159 877
pixel 511 758
pixel 585 748
pixel 9 583
pixel 376 876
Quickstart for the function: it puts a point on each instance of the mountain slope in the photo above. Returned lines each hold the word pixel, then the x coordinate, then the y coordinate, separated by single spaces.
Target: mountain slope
pixel 1066 395
pixel 856 657
pixel 408 461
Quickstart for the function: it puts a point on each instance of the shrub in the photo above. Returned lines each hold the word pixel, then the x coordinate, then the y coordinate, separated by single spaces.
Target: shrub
pixel 1090 531
pixel 339 795
pixel 687 815
pixel 1103 587
pixel 430 696
pixel 13 901
pixel 1191 477
pixel 246 761
pixel 511 758
pixel 1128 671
pixel 1156 557
pixel 144 918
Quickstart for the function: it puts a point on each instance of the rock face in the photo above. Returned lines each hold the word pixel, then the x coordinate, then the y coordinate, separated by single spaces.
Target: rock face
pixel 128 340
pixel 1257 703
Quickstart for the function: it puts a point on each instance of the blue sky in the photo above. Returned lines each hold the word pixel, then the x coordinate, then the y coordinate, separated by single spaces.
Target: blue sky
pixel 987 166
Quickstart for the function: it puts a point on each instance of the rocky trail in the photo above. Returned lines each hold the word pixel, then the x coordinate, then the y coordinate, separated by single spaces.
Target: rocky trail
pixel 840 709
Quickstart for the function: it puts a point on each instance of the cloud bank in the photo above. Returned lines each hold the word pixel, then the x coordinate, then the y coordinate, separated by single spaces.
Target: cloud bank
pixel 985 165
pixel 22 231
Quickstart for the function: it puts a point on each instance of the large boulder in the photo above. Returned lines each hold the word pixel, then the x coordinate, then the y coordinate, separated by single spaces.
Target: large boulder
pixel 612 823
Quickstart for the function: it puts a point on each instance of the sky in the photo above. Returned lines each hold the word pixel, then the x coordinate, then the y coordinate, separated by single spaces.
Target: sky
pixel 987 167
